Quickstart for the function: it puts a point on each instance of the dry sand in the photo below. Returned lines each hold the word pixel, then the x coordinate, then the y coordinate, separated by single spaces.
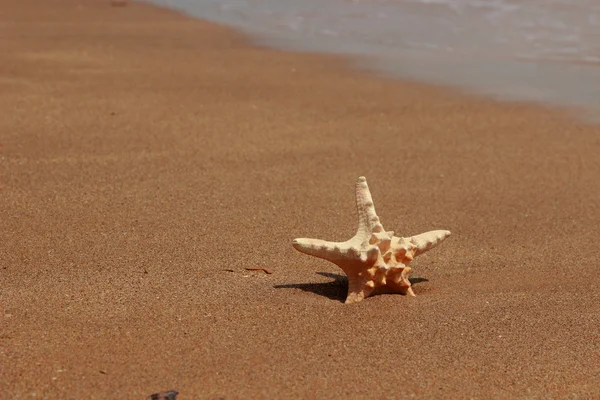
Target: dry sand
pixel 146 155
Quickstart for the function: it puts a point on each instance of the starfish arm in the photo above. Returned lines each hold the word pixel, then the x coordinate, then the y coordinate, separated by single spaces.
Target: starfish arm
pixel 368 221
pixel 358 289
pixel 330 251
pixel 428 240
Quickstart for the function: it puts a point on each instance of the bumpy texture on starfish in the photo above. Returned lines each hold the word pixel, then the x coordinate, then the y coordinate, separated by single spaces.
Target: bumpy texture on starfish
pixel 374 260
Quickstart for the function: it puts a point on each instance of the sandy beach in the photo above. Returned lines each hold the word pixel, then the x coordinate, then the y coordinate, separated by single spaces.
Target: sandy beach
pixel 147 159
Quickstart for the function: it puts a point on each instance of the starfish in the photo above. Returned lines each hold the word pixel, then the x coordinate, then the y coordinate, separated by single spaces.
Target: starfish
pixel 374 259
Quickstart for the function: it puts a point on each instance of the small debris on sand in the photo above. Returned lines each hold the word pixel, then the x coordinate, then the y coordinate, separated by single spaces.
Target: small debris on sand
pixel 169 395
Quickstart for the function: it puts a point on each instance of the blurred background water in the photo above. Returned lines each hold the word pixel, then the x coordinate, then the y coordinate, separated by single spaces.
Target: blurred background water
pixel 534 50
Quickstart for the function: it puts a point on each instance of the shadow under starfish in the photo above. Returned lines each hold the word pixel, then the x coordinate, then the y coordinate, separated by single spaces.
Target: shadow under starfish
pixel 334 290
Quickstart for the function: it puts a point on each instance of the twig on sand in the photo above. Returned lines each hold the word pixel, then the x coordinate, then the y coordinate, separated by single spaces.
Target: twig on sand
pixel 265 270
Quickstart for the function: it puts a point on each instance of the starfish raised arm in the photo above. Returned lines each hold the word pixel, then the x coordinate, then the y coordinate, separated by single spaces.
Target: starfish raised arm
pixel 374 260
pixel 368 221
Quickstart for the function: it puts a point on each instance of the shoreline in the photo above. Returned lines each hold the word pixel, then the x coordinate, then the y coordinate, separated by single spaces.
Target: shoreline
pixel 148 159
pixel 568 85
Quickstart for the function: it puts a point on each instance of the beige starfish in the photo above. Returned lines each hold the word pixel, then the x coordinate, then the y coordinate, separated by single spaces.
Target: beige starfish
pixel 374 260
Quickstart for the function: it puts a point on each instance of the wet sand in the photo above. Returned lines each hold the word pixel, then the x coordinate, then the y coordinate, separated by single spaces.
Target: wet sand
pixel 147 159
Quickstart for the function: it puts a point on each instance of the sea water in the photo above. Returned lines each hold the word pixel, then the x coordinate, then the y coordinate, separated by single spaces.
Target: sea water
pixel 534 50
